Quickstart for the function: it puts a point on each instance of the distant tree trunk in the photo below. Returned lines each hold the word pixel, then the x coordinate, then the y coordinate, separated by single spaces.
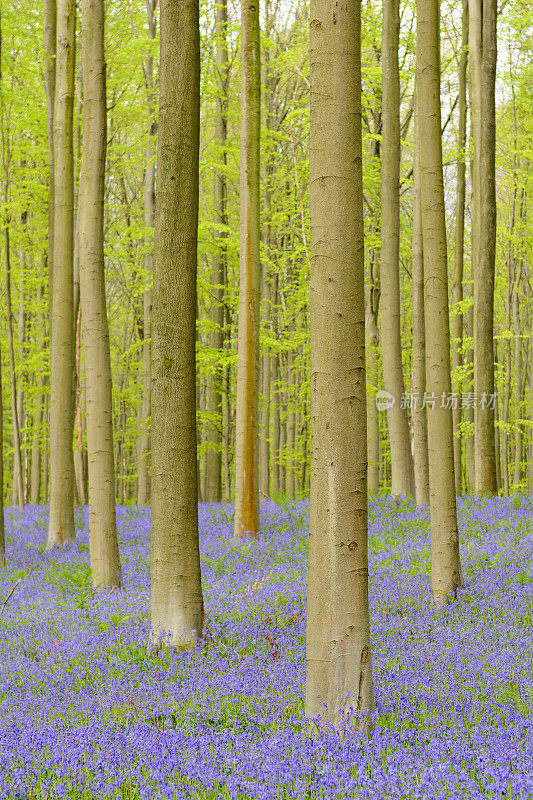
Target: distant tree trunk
pixel 445 563
pixel 482 50
pixel 266 357
pixel 339 672
pixel 372 338
pixel 517 379
pixel 418 383
pixel 79 466
pixel 275 396
pixel 457 340
pixel 216 337
pixel 2 524
pixel 246 432
pixel 18 481
pixel 50 33
pixel 61 521
pixel 103 543
pixel 400 443
pixel 143 453
pixel 469 410
pixel 176 590
pixel 37 436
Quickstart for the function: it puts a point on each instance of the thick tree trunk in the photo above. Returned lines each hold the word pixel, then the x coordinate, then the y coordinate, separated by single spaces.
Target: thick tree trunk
pixel 418 384
pixel 143 451
pixel 482 51
pixel 176 590
pixel 61 521
pixel 339 672
pixel 457 340
pixel 400 443
pixel 213 465
pixel 103 543
pixel 247 440
pixel 445 563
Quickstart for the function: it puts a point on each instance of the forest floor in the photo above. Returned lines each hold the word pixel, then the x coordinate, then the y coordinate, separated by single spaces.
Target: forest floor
pixel 90 710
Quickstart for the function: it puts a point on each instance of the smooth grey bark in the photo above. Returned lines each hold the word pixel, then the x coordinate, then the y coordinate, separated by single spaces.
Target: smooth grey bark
pixel 247 412
pixel 213 466
pixel 418 383
pixel 445 562
pixel 400 442
pixel 143 452
pixel 483 55
pixel 103 542
pixel 339 673
pixel 61 520
pixel 177 607
pixel 457 339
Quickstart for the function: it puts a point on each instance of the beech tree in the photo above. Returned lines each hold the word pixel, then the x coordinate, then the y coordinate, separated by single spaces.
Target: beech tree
pixel 339 673
pixel 400 444
pixel 61 520
pixel 445 563
pixel 176 591
pixel 482 51
pixel 247 401
pixel 103 544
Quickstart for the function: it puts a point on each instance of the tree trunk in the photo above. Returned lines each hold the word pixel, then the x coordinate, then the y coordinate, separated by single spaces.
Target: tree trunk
pixel 50 33
pixel 103 543
pixel 445 563
pixel 216 337
pixel 61 521
pixel 247 440
pixel 37 437
pixel 400 442
pixel 176 595
pixel 339 671
pixel 2 523
pixel 517 381
pixel 482 50
pixel 457 340
pixel 18 481
pixel 143 453
pixel 418 384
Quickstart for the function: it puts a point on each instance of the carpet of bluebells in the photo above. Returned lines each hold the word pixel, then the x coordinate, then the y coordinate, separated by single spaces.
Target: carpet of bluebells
pixel 90 710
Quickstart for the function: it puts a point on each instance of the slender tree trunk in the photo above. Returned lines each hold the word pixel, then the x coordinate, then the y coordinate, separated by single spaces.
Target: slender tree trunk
pixel 339 671
pixel 457 340
pixel 18 481
pixel 517 381
pixel 216 337
pixel 2 523
pixel 143 454
pixel 37 436
pixel 482 50
pixel 275 396
pixel 400 443
pixel 22 319
pixel 247 440
pixel 176 595
pixel 103 543
pixel 266 357
pixel 418 384
pixel 50 33
pixel 61 522
pixel 445 563
pixel 469 410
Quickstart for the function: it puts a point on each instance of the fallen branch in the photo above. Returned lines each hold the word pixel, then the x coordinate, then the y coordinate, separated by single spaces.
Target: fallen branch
pixel 8 598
